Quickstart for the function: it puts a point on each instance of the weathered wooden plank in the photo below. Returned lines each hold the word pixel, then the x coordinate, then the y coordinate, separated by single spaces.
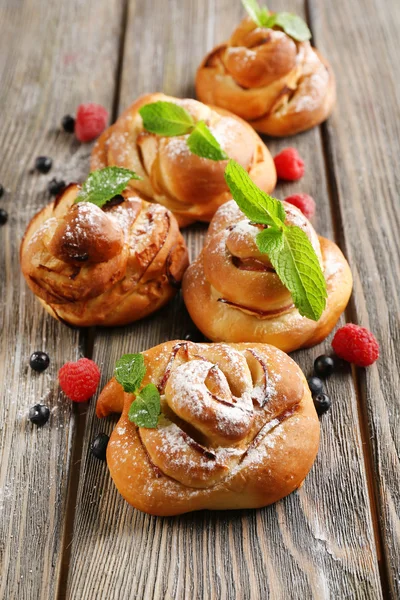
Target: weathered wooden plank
pixel 318 542
pixel 363 146
pixel 54 55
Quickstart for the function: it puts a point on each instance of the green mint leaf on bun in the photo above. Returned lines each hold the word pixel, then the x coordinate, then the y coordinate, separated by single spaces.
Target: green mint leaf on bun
pixel 202 142
pixel 104 184
pixel 256 13
pixel 169 119
pixel 287 246
pixel 146 407
pixel 256 204
pixel 166 118
pixel 292 24
pixel 129 372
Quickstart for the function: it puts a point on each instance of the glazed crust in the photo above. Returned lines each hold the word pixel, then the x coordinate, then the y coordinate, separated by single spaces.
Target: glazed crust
pixel 233 294
pixel 238 429
pixel 90 266
pixel 191 187
pixel 280 86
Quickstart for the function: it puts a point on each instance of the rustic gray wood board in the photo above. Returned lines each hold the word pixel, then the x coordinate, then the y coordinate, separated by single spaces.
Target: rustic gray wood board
pixel 363 145
pixel 47 68
pixel 318 542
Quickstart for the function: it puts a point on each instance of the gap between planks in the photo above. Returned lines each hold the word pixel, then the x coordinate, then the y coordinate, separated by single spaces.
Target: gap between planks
pixel 350 315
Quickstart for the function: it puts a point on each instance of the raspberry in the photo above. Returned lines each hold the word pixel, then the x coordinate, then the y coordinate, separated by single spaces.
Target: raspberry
pixel 356 345
pixel 91 121
pixel 289 165
pixel 79 380
pixel 304 202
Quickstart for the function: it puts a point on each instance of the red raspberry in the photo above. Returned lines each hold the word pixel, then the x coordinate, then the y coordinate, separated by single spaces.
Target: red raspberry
pixel 356 345
pixel 289 165
pixel 91 121
pixel 79 380
pixel 304 202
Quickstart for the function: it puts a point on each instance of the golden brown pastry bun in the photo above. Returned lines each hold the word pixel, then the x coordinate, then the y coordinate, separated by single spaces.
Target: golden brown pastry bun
pixel 279 85
pixel 233 293
pixel 90 266
pixel 190 186
pixel 238 429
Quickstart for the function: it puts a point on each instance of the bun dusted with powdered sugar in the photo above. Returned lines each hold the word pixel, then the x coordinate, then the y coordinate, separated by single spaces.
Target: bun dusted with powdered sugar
pixel 233 293
pixel 111 266
pixel 237 429
pixel 280 86
pixel 190 186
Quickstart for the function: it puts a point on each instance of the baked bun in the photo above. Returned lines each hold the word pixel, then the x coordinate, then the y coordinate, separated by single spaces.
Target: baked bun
pixel 110 266
pixel 191 187
pixel 233 294
pixel 237 429
pixel 279 85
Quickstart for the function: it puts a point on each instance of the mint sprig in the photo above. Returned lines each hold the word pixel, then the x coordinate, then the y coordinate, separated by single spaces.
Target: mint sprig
pixel 129 372
pixel 288 247
pixel 169 119
pixel 202 142
pixel 145 409
pixel 166 118
pixel 104 184
pixel 292 24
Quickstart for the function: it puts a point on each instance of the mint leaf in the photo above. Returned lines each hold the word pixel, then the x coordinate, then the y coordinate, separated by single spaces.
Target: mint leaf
pixel 256 205
pixel 145 409
pixel 129 371
pixel 166 118
pixel 257 14
pixel 104 184
pixel 297 266
pixel 270 240
pixel 292 25
pixel 202 142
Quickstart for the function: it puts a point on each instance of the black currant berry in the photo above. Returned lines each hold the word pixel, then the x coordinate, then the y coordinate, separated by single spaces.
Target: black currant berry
pixel 55 186
pixel 324 366
pixel 3 216
pixel 68 123
pixel 315 384
pixel 322 403
pixel 43 164
pixel 39 361
pixel 99 446
pixel 39 414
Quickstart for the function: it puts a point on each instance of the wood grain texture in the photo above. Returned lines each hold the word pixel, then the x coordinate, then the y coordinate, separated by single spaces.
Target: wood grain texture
pixel 363 146
pixel 47 68
pixel 318 543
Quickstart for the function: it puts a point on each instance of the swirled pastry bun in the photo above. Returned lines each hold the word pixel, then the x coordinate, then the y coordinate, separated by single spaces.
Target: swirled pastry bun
pixel 233 293
pixel 237 429
pixel 190 186
pixel 280 86
pixel 111 266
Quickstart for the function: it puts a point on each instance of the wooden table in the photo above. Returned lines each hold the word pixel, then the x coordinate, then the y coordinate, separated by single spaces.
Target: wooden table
pixel 64 529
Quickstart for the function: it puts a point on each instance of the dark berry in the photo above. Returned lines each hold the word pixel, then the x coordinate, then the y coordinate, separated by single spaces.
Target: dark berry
pixel 324 365
pixel 99 446
pixel 1 190
pixel 43 164
pixel 315 384
pixel 39 414
pixel 68 123
pixel 322 403
pixel 3 216
pixel 39 361
pixel 55 186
